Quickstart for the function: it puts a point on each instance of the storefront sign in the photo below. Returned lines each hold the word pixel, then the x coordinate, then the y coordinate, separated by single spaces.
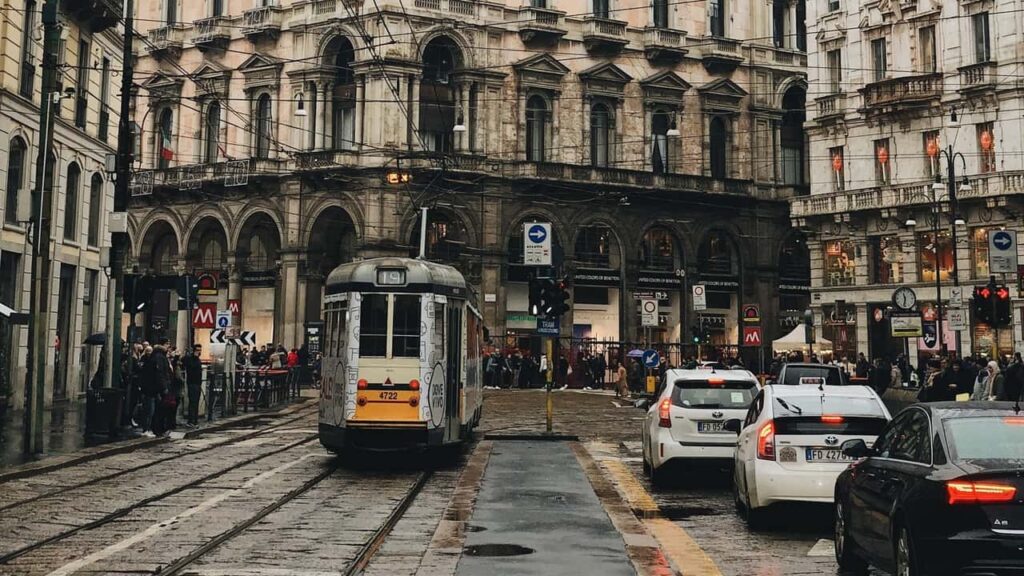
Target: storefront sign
pixel 721 285
pixel 657 279
pixel 794 288
pixel 751 314
pixel 659 295
pixel 906 325
pixel 259 278
pixel 208 283
pixel 597 277
pixel 520 321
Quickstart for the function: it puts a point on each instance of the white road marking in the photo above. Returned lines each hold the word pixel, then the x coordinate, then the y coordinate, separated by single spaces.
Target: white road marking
pixel 823 547
pixel 155 529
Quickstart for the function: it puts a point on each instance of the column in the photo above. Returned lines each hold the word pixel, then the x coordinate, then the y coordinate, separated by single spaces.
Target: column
pixel 329 116
pixel 414 111
pixel 585 135
pixel 321 113
pixel 287 320
pixel 555 154
pixel 360 96
pixel 790 41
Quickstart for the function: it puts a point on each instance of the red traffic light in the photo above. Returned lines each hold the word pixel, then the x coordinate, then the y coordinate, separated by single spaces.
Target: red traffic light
pixel 984 292
pixel 1002 293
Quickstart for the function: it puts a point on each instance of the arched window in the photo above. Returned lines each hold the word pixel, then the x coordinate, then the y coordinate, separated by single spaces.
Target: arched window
pixel 165 254
pixel 164 144
pixel 657 250
pixel 594 246
pixel 71 201
pixel 718 148
pixel 264 126
pixel 446 236
pixel 716 255
pixel 344 112
pixel 537 117
pixel 661 121
pixel 95 208
pixel 441 58
pixel 602 135
pixel 211 250
pixel 15 179
pixel 211 151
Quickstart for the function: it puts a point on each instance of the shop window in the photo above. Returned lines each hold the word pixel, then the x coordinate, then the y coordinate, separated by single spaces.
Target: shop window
pixel 979 253
pixel 986 148
pixel 931 152
pixel 657 251
pixel 590 295
pixel 719 300
pixel 593 246
pixel 716 255
pixel 935 254
pixel 838 168
pixel 840 263
pixel 886 260
pixel 883 171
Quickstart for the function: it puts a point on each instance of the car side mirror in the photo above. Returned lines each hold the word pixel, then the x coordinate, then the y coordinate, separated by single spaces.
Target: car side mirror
pixel 734 425
pixel 855 448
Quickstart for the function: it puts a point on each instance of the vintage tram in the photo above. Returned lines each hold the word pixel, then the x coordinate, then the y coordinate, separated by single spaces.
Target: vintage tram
pixel 401 360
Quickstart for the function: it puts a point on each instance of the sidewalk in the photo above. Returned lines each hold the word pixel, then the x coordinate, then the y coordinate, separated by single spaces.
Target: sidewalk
pixel 64 438
pixel 536 514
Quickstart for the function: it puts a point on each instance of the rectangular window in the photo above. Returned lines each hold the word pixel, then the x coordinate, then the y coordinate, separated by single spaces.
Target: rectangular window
pixel 539 3
pixel 883 174
pixel 104 126
pixel 926 48
pixel 218 7
pixel 9 284
pixel 886 260
pixel 600 8
pixel 716 17
pixel 982 41
pixel 833 5
pixel 840 263
pixel 929 252
pixel 878 58
pixel 930 140
pixel 979 253
pixel 779 16
pixel 28 63
pixel 838 166
pixel 801 26
pixel 373 326
pixel 660 15
pixel 405 331
pixel 170 12
pixel 82 87
pixel 986 147
pixel 835 70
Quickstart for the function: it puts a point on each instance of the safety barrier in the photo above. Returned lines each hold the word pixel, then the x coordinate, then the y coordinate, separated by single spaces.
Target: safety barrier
pixel 265 387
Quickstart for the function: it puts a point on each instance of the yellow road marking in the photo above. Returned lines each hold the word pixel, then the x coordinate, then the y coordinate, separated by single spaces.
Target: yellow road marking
pixel 675 542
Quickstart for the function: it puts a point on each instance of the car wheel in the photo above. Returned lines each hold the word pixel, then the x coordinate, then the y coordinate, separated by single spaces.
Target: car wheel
pixel 756 517
pixel 906 561
pixel 647 463
pixel 847 560
pixel 736 500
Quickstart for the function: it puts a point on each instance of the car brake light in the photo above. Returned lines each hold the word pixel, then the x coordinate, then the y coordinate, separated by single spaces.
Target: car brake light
pixel 362 384
pixel 664 408
pixel 832 419
pixel 716 382
pixel 961 492
pixel 766 441
pixel 1014 421
pixel 414 384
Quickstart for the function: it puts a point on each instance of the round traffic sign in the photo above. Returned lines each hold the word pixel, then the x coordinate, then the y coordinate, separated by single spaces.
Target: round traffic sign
pixel 651 358
pixel 698 290
pixel 650 306
pixel 1002 240
pixel 537 234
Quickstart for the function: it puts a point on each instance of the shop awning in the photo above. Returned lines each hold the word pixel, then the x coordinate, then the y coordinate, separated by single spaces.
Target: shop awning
pixel 795 340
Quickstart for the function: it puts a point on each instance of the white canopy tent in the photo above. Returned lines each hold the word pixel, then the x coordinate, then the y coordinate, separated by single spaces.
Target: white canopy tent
pixel 795 341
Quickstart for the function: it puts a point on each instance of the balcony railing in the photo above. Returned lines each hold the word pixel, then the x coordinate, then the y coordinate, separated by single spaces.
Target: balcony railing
pixel 455 7
pixel 97 15
pixel 604 33
pixel 262 20
pixel 210 30
pixel 720 55
pixel 664 43
pixel 903 91
pixel 901 196
pixel 165 38
pixel 633 178
pixel 540 23
pixel 977 76
pixel 831 105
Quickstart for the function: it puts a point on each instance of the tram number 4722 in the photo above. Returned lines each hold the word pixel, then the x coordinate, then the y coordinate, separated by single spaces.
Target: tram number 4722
pixel 389 395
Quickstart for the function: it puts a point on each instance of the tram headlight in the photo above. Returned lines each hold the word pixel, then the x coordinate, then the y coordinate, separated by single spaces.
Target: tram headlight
pixel 414 401
pixel 361 400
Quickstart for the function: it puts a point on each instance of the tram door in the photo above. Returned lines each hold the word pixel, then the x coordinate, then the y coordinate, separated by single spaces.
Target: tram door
pixel 454 363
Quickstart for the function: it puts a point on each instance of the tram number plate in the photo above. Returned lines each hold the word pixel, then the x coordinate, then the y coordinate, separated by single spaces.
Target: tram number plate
pixel 389 395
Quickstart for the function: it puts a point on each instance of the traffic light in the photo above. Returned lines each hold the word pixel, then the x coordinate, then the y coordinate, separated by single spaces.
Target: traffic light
pixel 695 334
pixel 535 296
pixel 1003 314
pixel 982 304
pixel 559 303
pixel 138 291
pixel 187 287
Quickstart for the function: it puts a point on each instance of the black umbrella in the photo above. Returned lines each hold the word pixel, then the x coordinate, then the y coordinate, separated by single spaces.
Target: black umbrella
pixel 97 339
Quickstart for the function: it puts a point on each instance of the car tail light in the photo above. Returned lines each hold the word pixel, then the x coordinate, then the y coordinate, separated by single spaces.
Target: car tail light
pixel 414 384
pixel 664 409
pixel 414 401
pixel 964 492
pixel 1014 421
pixel 362 384
pixel 716 382
pixel 766 441
pixel 828 419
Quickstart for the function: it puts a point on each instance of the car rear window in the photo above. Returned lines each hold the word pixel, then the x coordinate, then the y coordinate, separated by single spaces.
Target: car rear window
pixel 826 405
pixel 713 393
pixel 986 438
pixel 793 375
pixel 840 425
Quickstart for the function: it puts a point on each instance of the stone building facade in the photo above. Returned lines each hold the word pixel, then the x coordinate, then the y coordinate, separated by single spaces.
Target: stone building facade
pixel 895 85
pixel 661 142
pixel 85 131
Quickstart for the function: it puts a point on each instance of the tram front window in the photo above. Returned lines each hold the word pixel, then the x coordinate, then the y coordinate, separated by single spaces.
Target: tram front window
pixel 405 335
pixel 373 326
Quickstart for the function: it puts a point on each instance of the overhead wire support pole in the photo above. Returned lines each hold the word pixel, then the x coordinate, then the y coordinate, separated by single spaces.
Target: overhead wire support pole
pixel 42 207
pixel 122 193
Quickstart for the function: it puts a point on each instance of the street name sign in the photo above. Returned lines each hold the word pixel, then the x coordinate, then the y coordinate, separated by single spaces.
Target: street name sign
pixel 547 326
pixel 1002 251
pixel 537 244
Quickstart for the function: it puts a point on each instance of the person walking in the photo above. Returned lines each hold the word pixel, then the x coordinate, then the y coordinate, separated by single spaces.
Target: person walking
pixel 989 383
pixel 863 367
pixel 155 380
pixel 1013 380
pixel 194 383
pixel 621 381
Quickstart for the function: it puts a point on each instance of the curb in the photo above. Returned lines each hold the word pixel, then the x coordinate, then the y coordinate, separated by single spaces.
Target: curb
pixel 131 445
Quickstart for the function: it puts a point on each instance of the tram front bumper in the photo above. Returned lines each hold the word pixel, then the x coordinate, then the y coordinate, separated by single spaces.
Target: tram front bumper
pixel 380 436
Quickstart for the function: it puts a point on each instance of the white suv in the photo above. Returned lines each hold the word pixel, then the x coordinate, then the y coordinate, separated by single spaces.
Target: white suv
pixel 687 419
pixel 788 447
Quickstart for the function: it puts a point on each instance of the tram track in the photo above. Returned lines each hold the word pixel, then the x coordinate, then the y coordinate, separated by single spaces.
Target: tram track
pixel 301 414
pixel 125 510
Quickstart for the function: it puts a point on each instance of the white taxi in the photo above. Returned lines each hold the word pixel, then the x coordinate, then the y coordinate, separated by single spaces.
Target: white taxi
pixel 687 420
pixel 788 447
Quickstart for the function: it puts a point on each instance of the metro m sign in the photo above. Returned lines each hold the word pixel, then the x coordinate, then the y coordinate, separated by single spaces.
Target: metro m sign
pixel 752 335
pixel 204 315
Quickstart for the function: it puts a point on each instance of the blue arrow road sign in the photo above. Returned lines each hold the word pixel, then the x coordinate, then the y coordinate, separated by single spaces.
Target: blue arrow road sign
pixel 538 234
pixel 651 359
pixel 1002 240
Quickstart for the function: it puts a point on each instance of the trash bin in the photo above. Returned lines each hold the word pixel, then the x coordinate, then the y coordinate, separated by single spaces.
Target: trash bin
pixel 103 411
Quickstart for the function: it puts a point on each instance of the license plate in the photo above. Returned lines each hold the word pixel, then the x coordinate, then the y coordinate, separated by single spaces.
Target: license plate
pixel 709 427
pixel 826 455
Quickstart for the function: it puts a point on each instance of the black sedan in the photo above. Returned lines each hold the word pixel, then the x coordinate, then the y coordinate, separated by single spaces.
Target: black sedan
pixel 941 491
